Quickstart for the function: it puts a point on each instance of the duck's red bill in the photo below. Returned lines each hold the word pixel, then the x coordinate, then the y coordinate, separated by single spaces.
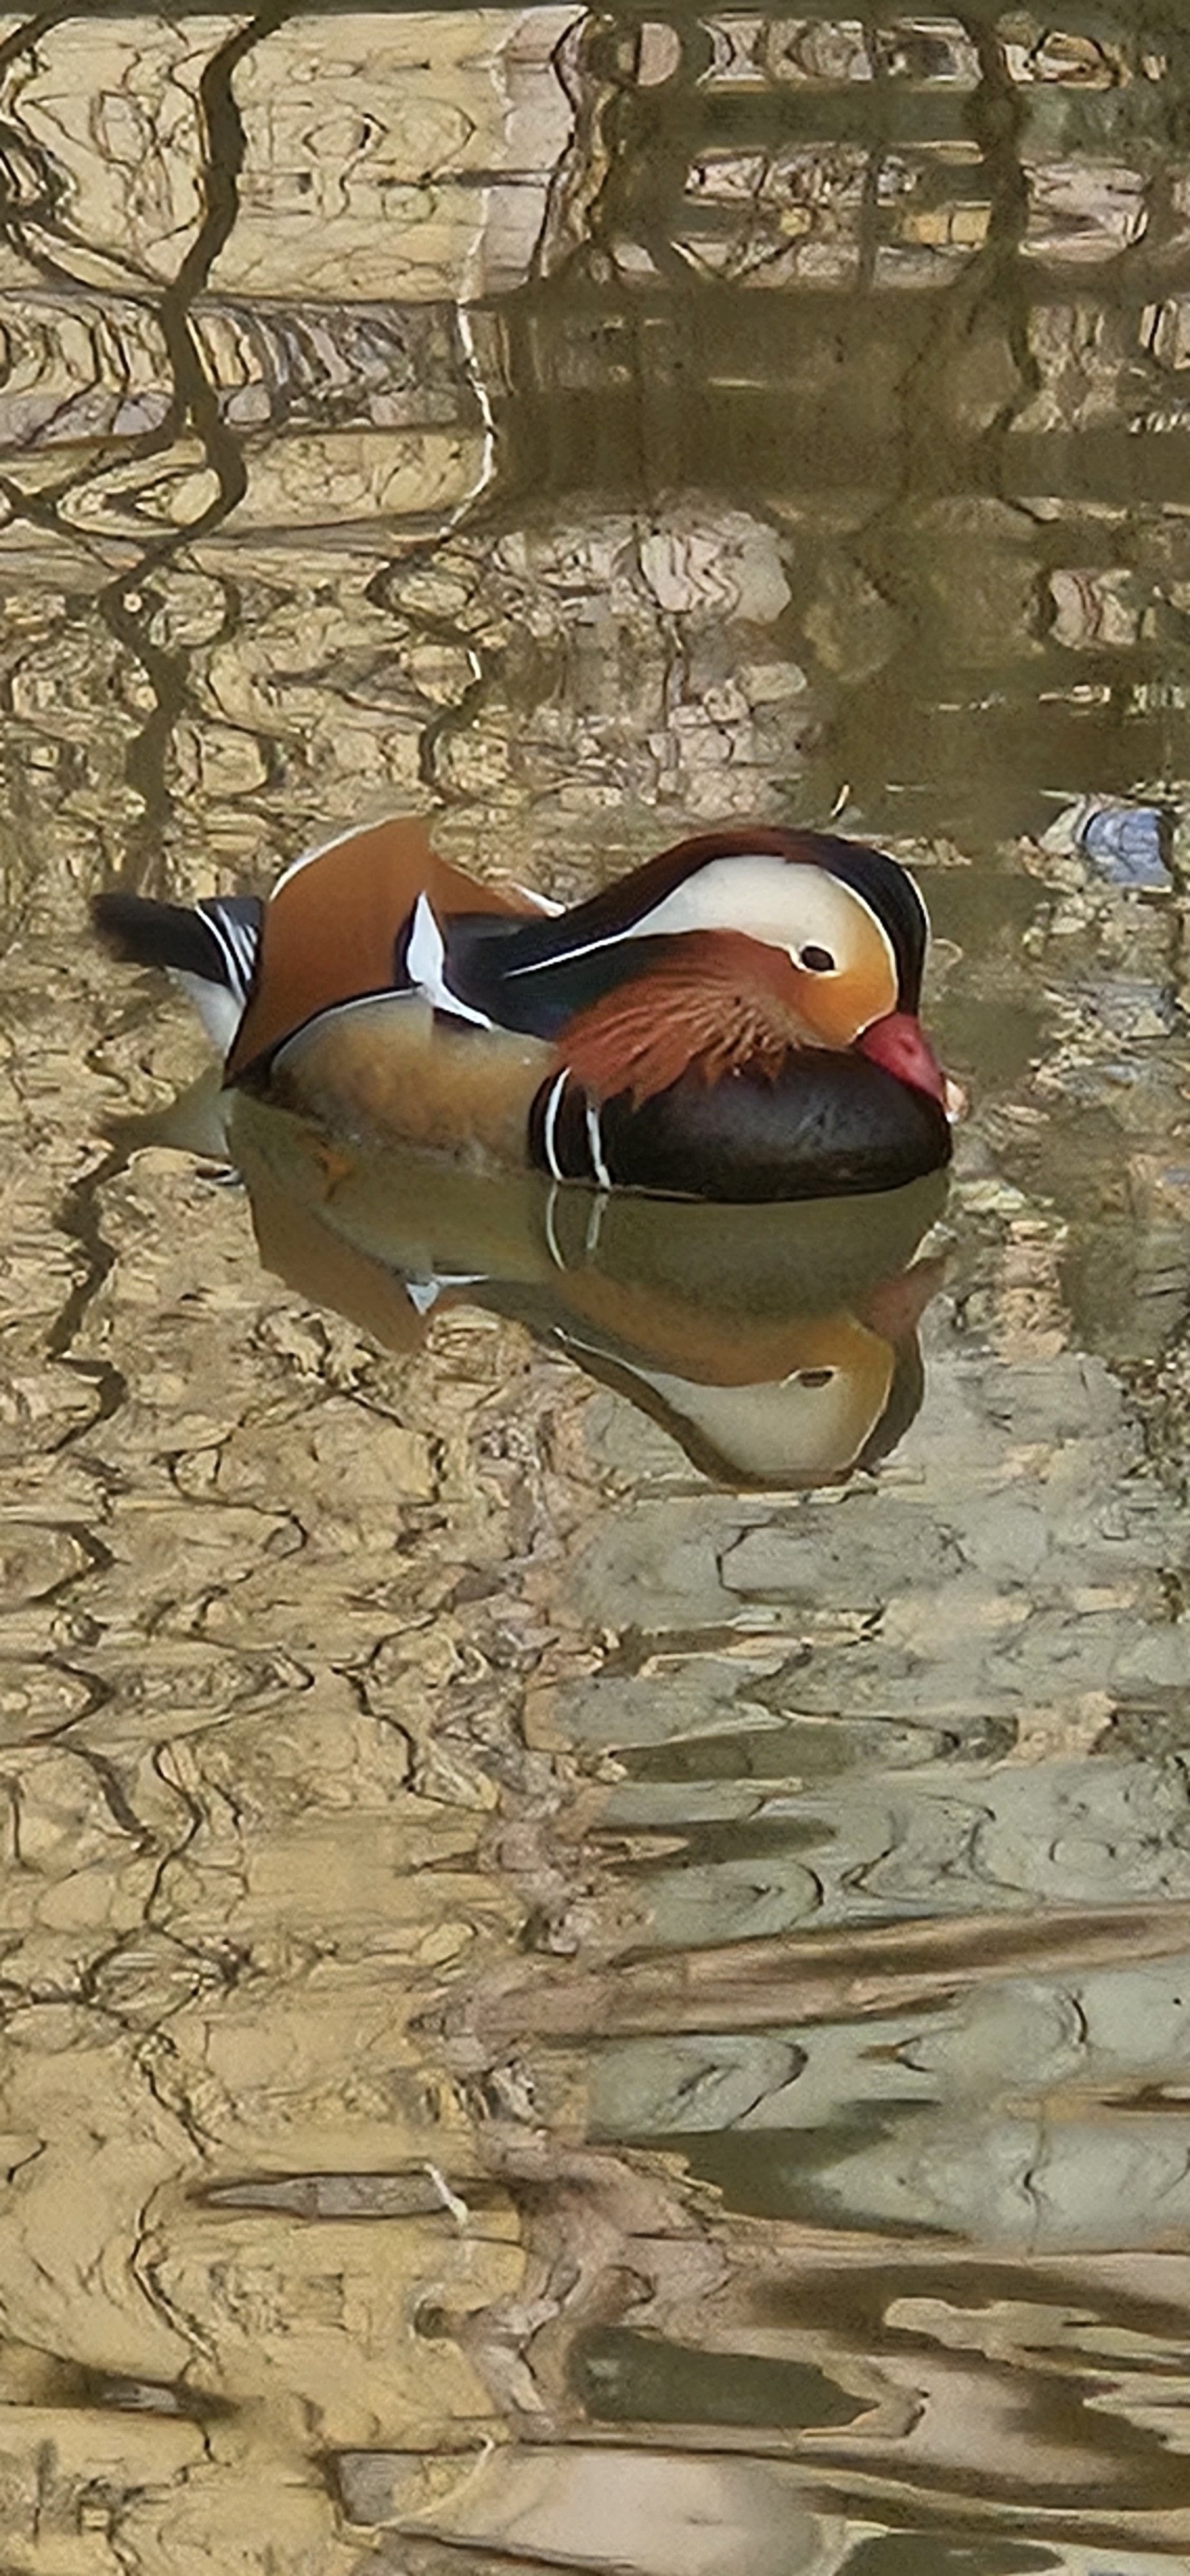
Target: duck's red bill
pixel 900 1044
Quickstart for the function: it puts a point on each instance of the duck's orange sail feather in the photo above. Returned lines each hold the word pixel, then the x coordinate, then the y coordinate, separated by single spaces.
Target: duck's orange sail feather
pixel 330 930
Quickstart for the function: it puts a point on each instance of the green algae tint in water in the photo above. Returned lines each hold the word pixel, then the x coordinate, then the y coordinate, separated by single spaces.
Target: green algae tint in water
pixel 596 1920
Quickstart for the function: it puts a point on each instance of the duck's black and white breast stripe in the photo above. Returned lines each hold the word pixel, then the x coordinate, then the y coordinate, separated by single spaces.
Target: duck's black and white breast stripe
pixel 828 1124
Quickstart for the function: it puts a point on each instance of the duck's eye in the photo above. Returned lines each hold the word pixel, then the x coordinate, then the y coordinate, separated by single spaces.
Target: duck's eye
pixel 815 1377
pixel 819 960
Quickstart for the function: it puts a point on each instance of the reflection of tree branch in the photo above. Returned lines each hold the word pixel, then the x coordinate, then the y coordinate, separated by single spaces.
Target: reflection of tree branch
pixel 127 603
pixel 766 1984
pixel 195 399
pixel 126 611
pixel 385 591
pixel 17 213
pixel 26 38
pixel 997 115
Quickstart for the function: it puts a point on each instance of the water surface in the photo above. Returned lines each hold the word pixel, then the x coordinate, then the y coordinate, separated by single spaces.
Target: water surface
pixel 596 1918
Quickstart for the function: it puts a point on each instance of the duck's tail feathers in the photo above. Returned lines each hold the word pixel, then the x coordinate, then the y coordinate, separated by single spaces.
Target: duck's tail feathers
pixel 212 949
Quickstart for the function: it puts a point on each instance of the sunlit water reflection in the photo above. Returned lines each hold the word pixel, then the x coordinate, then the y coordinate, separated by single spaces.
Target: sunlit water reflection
pixel 597 1906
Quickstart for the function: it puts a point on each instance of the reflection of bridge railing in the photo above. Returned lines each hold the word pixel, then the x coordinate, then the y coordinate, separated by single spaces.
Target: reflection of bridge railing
pixel 869 149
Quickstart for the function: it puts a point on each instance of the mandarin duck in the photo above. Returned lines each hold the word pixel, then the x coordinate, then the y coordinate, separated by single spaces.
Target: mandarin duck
pixel 735 1020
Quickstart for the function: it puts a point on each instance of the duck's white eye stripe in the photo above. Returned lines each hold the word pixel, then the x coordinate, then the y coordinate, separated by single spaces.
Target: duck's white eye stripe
pixel 758 895
pixel 552 1107
pixel 595 1143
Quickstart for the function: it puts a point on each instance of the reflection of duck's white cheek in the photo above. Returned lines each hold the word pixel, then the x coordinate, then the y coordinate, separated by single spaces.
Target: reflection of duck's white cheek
pixel 811 1424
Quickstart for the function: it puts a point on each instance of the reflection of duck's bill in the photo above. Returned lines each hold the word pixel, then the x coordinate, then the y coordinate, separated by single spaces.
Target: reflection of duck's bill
pixel 815 1427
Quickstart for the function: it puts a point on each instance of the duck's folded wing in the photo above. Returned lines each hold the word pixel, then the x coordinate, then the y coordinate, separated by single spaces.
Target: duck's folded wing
pixel 338 926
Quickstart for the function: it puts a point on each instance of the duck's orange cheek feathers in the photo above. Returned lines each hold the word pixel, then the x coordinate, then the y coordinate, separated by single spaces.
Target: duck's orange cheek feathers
pixel 717 1001
pixel 835 1008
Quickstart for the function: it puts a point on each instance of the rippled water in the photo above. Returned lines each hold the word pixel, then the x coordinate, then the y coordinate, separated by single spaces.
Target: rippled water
pixel 596 1920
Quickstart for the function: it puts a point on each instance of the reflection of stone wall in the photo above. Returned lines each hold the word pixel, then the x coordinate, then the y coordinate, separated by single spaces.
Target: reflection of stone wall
pixel 382 157
pixel 417 232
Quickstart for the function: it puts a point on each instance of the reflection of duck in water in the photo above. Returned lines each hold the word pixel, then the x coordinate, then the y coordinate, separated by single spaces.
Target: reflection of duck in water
pixel 737 1020
pixel 778 1345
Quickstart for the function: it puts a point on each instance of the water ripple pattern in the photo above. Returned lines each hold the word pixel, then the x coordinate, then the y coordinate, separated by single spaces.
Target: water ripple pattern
pixel 562 2008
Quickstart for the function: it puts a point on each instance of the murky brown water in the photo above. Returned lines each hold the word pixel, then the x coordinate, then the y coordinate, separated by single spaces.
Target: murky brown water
pixel 596 1912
